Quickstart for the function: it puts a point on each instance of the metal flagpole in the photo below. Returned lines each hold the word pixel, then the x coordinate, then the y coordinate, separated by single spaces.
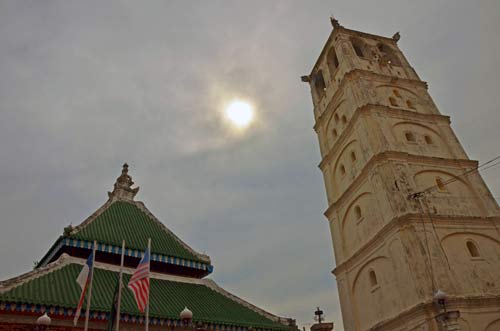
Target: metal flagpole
pixel 149 289
pixel 120 281
pixel 89 298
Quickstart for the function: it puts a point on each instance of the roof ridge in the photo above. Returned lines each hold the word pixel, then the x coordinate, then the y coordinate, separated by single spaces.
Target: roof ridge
pixel 66 259
pixel 9 284
pixel 214 286
pixel 144 209
pixel 93 216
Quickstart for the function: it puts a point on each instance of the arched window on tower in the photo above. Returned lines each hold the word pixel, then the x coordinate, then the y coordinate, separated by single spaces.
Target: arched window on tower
pixel 342 169
pixel 344 120
pixel 472 248
pixel 319 83
pixel 332 60
pixel 335 134
pixel 396 93
pixel 410 104
pixel 410 137
pixel 353 156
pixel 373 278
pixel 336 117
pixel 393 102
pixel 388 55
pixel 357 212
pixel 428 140
pixel 359 48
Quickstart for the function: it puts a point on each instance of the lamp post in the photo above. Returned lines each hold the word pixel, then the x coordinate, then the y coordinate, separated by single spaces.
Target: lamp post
pixel 321 325
pixel 318 315
pixel 43 322
pixel 449 319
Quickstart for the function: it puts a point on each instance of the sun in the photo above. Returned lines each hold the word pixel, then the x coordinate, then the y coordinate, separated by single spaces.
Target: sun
pixel 240 113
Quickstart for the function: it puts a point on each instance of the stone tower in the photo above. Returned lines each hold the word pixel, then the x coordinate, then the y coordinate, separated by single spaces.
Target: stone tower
pixel 409 214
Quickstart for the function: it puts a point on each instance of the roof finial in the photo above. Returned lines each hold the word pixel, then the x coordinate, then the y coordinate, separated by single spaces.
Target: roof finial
pixel 396 37
pixel 123 186
pixel 335 22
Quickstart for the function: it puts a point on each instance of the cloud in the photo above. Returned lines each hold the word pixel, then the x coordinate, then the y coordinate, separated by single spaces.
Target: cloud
pixel 86 86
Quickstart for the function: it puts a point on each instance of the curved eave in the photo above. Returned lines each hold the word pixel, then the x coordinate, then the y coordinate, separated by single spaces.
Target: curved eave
pixel 33 292
pixel 68 313
pixel 51 253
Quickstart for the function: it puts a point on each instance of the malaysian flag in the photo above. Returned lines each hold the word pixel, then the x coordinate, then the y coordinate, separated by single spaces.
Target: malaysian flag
pixel 139 282
pixel 83 280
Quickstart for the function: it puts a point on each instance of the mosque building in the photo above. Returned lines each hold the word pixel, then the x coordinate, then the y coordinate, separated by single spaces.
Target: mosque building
pixel 178 278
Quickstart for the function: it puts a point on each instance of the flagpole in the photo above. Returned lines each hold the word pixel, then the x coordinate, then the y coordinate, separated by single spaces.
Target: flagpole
pixel 89 299
pixel 149 281
pixel 120 281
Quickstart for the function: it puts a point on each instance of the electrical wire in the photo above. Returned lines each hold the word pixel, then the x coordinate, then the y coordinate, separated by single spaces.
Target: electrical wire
pixel 455 178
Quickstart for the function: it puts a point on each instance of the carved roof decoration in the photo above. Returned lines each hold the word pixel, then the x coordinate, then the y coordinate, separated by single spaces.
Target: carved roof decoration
pixel 123 186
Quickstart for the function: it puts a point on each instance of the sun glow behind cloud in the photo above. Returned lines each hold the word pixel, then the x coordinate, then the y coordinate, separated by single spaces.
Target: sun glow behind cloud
pixel 239 113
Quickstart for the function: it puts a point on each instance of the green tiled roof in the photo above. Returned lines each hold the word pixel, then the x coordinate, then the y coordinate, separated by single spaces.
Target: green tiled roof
pixel 124 220
pixel 168 298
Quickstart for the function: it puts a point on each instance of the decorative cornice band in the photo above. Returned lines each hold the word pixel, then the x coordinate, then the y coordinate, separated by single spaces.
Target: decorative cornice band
pixel 398 156
pixel 367 108
pixel 453 302
pixel 137 253
pixel 350 75
pixel 405 221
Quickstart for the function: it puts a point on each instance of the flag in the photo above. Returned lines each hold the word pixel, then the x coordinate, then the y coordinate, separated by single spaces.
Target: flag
pixel 83 280
pixel 112 314
pixel 118 294
pixel 139 282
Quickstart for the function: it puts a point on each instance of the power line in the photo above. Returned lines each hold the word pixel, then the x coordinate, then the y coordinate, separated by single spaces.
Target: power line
pixel 455 178
pixel 419 197
pixel 491 166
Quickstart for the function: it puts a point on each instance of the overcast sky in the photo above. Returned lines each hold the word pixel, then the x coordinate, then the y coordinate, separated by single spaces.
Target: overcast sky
pixel 88 85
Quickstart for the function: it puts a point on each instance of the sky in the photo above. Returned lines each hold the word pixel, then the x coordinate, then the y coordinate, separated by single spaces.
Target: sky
pixel 88 85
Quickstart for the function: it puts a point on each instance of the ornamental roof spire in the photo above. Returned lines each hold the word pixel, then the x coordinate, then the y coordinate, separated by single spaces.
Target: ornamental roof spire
pixel 123 186
pixel 335 22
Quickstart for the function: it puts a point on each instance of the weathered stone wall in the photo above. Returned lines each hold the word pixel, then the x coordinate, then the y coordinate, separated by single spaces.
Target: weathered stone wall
pixel 382 139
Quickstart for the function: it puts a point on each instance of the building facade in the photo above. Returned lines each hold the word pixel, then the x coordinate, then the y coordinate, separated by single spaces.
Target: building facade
pixel 409 214
pixel 178 278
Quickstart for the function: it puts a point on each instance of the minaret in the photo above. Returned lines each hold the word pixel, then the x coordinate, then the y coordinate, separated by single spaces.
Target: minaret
pixel 409 214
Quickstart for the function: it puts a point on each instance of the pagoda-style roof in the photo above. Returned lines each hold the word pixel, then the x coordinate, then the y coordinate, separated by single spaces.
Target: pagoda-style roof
pixel 53 289
pixel 122 218
pixel 177 274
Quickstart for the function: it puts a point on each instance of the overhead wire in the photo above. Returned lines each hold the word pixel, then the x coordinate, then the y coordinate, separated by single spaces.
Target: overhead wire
pixel 419 197
pixel 455 178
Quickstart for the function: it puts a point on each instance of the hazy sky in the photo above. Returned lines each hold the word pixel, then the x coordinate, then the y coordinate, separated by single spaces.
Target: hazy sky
pixel 88 85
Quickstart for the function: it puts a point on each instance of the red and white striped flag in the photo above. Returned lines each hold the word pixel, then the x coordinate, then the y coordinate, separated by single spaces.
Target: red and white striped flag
pixel 139 282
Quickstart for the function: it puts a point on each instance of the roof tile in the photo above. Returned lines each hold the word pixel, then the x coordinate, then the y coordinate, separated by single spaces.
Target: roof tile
pixel 168 298
pixel 124 220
